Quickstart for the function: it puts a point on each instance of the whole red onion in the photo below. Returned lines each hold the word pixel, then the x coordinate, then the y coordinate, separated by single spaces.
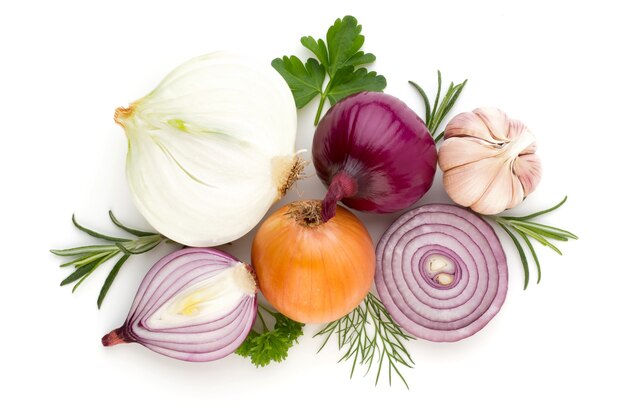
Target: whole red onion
pixel 374 153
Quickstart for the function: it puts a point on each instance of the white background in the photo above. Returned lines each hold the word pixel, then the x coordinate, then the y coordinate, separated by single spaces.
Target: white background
pixel 557 348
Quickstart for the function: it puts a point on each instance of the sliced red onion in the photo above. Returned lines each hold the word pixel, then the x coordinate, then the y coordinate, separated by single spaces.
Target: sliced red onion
pixel 195 304
pixel 441 272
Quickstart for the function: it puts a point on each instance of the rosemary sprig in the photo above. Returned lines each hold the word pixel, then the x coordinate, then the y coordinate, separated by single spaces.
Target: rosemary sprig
pixel 528 230
pixel 436 114
pixel 370 334
pixel 86 259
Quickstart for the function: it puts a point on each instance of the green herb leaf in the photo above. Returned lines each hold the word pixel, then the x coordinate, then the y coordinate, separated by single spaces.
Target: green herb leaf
pixel 305 81
pixel 439 111
pixel 522 254
pixel 270 345
pixel 370 335
pixel 109 281
pixel 533 230
pixel 344 43
pixel 339 57
pixel 130 230
pixel 347 81
pixel 96 234
pixel 86 259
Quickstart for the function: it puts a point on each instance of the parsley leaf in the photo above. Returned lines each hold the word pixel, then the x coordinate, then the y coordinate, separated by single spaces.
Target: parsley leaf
pixel 338 57
pixel 270 345
pixel 305 81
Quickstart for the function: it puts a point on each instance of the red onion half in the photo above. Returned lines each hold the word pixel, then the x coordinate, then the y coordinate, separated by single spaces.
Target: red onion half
pixel 194 304
pixel 441 272
pixel 374 153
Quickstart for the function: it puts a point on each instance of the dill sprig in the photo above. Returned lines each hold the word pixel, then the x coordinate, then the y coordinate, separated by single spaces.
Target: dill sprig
pixel 370 335
pixel 436 114
pixel 528 230
pixel 86 259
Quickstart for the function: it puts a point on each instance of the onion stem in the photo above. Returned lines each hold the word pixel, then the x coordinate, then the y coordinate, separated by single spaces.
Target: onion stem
pixel 341 186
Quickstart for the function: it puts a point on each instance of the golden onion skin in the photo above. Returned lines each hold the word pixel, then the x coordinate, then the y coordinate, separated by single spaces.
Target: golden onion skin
pixel 311 271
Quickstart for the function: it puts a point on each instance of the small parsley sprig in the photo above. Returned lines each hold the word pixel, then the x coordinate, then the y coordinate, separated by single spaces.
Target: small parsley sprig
pixel 528 230
pixel 340 57
pixel 86 259
pixel 370 335
pixel 268 345
pixel 436 114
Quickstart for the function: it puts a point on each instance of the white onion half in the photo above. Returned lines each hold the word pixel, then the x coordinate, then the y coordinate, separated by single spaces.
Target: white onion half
pixel 211 148
pixel 441 272
pixel 194 304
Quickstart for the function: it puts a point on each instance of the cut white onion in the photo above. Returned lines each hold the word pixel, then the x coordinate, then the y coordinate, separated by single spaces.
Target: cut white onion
pixel 441 272
pixel 195 305
pixel 211 148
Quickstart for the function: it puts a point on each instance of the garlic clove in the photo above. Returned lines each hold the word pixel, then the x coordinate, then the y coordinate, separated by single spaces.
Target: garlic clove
pixel 502 193
pixel 464 150
pixel 467 124
pixel 466 184
pixel 516 128
pixel 528 170
pixel 496 122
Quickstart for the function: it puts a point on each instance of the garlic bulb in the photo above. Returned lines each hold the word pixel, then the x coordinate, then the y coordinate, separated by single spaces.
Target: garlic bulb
pixel 488 161
pixel 211 148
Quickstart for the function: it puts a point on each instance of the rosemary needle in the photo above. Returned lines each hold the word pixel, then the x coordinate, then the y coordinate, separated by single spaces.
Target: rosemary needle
pixel 528 230
pixel 86 259
pixel 436 114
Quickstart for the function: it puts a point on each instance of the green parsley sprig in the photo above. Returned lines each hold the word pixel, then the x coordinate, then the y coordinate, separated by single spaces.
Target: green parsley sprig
pixel 86 259
pixel 528 230
pixel 340 57
pixel 436 114
pixel 370 335
pixel 272 345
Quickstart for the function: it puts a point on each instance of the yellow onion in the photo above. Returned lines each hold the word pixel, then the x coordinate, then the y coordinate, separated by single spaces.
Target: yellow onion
pixel 313 271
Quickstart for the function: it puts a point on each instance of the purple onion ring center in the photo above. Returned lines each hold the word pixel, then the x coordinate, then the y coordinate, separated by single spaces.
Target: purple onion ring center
pixel 440 269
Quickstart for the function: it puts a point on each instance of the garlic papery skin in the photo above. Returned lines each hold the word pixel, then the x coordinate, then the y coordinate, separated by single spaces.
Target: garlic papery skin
pixel 488 161
pixel 211 148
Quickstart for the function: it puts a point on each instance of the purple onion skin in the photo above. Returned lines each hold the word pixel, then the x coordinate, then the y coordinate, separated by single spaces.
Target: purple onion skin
pixel 374 153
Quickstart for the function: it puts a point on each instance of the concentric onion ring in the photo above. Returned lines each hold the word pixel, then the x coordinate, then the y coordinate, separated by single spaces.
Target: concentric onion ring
pixel 441 272
pixel 195 304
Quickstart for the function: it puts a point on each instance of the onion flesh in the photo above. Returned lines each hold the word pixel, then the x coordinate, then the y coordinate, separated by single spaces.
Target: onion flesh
pixel 441 272
pixel 195 304
pixel 374 153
